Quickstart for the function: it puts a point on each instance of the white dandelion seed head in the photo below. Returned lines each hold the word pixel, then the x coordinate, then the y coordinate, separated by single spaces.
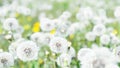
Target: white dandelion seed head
pixel 13 46
pixel 101 59
pixel 6 60
pixel 10 24
pixel 27 51
pixel 114 39
pixel 47 38
pixel 39 38
pixel 17 36
pixel 90 36
pixel 84 13
pixel 99 29
pixel 73 28
pixel 46 24
pixel 19 30
pixel 58 45
pixel 65 15
pixel 116 12
pixel 64 60
pixel 62 30
pixel 86 54
pixel 105 39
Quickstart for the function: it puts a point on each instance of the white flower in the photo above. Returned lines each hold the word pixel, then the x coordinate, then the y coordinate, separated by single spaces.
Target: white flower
pixel 73 28
pixel 116 12
pixel 99 29
pixel 65 15
pixel 10 24
pixel 105 39
pixel 85 54
pixel 101 59
pixel 114 39
pixel 13 46
pixel 36 37
pixel 17 36
pixel 27 51
pixel 84 13
pixel 58 45
pixel 62 30
pixel 46 24
pixel 47 38
pixel 90 36
pixel 6 60
pixel 64 60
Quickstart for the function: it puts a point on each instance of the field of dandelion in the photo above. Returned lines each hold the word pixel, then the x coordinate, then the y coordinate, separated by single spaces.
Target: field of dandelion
pixel 59 33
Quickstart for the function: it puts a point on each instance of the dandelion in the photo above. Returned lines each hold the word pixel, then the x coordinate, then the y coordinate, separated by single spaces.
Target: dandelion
pixel 10 24
pixel 6 60
pixel 58 45
pixel 105 39
pixel 116 12
pixel 46 24
pixel 101 59
pixel 13 47
pixel 64 60
pixel 99 29
pixel 90 36
pixel 27 51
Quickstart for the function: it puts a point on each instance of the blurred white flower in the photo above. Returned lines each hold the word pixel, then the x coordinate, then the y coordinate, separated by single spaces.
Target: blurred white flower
pixel 41 38
pixel 46 24
pixel 27 51
pixel 47 38
pixel 62 30
pixel 73 28
pixel 116 12
pixel 85 13
pixel 13 46
pixel 99 29
pixel 6 60
pixel 23 10
pixel 105 39
pixel 101 59
pixel 64 60
pixel 65 15
pixel 58 45
pixel 85 54
pixel 10 24
pixel 90 36
pixel 114 39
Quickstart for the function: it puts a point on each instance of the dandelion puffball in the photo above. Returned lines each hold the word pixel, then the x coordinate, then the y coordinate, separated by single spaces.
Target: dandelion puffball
pixel 27 51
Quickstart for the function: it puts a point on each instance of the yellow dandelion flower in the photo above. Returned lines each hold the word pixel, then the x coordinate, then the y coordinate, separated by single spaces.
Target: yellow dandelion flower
pixel 115 32
pixel 36 27
pixel 71 36
pixel 53 31
pixel 41 61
